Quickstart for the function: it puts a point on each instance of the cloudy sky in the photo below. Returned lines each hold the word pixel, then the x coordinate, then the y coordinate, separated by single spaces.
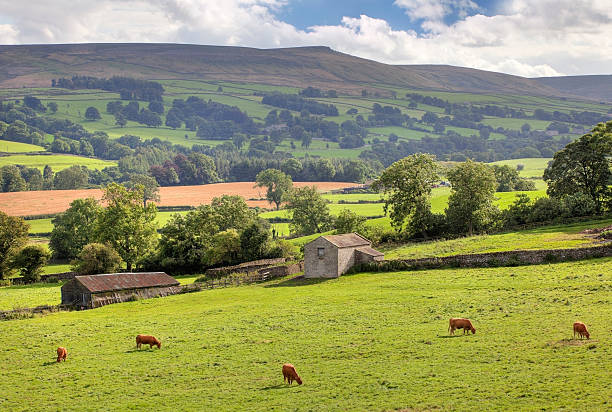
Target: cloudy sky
pixel 525 37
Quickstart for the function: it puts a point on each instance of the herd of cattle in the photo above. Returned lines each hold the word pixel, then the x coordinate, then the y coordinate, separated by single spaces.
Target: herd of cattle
pixel 289 372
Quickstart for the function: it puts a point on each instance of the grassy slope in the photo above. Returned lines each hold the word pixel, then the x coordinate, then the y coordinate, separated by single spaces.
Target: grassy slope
pixel 16 147
pixel 57 162
pixel 547 237
pixel 362 342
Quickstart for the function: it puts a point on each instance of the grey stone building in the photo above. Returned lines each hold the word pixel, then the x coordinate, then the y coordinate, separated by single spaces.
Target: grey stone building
pixel 93 291
pixel 331 256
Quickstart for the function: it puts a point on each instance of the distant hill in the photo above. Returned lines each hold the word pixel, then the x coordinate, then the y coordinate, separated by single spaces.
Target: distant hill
pixel 593 87
pixel 36 65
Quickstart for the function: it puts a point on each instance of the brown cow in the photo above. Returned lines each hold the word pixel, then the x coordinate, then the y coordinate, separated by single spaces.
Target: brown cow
pixel 581 329
pixel 460 323
pixel 147 340
pixel 61 354
pixel 290 375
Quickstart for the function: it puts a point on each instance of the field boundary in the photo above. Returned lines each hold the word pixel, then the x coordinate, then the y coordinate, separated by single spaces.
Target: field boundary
pixel 491 259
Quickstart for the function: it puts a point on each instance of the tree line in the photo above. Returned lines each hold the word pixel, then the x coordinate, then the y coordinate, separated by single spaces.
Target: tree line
pixel 127 87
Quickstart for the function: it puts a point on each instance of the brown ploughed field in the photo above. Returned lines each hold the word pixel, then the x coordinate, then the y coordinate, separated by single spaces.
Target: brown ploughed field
pixel 56 201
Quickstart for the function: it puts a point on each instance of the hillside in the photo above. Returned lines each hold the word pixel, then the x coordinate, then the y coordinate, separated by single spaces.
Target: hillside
pixel 36 65
pixel 593 87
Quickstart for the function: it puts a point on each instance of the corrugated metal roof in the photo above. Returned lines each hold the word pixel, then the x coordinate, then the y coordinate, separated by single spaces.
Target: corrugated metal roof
pixel 370 251
pixel 347 240
pixel 120 281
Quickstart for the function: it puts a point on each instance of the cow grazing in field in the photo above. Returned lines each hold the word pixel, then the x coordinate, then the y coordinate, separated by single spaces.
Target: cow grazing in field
pixel 460 323
pixel 147 340
pixel 290 375
pixel 581 329
pixel 61 354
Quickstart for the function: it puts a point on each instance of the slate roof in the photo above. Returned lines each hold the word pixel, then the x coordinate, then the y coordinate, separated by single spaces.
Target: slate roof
pixel 120 281
pixel 347 240
pixel 370 251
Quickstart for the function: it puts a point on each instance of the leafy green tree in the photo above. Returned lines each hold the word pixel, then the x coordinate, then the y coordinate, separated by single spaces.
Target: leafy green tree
pixel 583 166
pixel 125 224
pixel 96 258
pixel 52 106
pixel 30 262
pixel 254 241
pixel 292 167
pixel 120 120
pixel 239 139
pixel 92 113
pixel 150 187
pixel 508 179
pixel 74 228
pixel 470 204
pixel 231 212
pixel 277 184
pixel 407 186
pixel 349 222
pixel 47 178
pixel 309 211
pixel 13 236
pixel 11 179
pixel 225 248
pixel 74 177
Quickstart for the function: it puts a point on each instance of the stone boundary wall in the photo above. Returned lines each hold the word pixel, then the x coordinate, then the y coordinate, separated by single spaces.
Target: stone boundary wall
pixel 246 267
pixel 493 259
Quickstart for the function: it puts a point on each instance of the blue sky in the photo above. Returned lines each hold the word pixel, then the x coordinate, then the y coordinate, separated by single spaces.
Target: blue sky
pixel 306 13
pixel 531 38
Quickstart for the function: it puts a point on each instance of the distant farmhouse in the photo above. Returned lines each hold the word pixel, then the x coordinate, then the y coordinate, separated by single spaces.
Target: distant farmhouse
pixel 93 291
pixel 331 256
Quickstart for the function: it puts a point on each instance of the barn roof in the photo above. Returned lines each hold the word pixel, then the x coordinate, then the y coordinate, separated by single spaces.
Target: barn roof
pixel 370 251
pixel 347 240
pixel 120 281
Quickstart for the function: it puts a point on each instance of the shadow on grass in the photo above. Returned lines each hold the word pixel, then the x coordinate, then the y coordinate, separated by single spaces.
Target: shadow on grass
pixel 279 386
pixel 299 281
pixel 49 363
pixel 449 336
pixel 135 350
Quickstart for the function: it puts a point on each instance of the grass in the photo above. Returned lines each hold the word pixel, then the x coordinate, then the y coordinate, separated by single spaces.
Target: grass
pixel 361 342
pixel 548 237
pixel 533 167
pixel 16 147
pixel 57 162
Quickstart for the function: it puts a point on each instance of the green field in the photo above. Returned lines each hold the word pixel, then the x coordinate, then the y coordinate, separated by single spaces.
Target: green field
pixel 361 342
pixel 547 237
pixel 57 162
pixel 533 167
pixel 16 147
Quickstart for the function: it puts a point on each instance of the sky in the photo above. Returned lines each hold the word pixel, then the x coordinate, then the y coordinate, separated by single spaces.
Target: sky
pixel 530 38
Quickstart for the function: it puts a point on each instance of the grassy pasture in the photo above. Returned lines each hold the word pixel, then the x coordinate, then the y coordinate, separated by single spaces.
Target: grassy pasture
pixel 16 147
pixel 57 162
pixel 226 347
pixel 534 167
pixel 547 237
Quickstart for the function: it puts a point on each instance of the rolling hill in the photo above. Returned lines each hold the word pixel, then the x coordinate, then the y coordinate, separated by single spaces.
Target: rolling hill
pixel 593 87
pixel 36 65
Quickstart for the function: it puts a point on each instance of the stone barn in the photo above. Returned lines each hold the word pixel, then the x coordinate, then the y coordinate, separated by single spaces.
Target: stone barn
pixel 331 256
pixel 94 291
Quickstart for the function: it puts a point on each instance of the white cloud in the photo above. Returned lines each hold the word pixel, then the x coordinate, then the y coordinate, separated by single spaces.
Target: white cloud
pixel 526 38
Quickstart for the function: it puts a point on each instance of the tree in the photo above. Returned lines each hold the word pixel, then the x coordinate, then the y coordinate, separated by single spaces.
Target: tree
pixel 225 248
pixel 349 222
pixel 149 185
pixel 74 228
pixel 125 224
pixel 11 180
pixel 277 184
pixel 470 204
pixel 309 211
pixel 231 212
pixel 30 262
pixel 583 166
pixel 92 113
pixel 407 186
pixel 120 120
pixel 96 258
pixel 254 241
pixel 13 236
pixel 74 177
pixel 508 179
pixel 52 106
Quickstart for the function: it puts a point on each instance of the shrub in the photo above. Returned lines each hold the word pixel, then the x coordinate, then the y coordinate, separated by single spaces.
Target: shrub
pixel 349 222
pixel 96 258
pixel 30 262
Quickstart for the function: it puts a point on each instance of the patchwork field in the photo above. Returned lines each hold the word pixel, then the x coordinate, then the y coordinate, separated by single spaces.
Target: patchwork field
pixel 56 161
pixel 15 147
pixel 55 201
pixel 360 342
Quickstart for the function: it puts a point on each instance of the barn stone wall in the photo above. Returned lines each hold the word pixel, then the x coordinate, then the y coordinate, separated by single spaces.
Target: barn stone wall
pixel 346 259
pixel 107 298
pixel 320 267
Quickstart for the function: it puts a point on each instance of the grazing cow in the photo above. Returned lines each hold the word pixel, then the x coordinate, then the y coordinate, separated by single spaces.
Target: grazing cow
pixel 61 354
pixel 581 329
pixel 290 375
pixel 459 323
pixel 147 340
